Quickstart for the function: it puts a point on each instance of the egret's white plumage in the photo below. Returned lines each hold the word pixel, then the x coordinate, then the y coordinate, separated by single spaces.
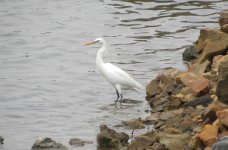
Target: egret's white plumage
pixel 114 75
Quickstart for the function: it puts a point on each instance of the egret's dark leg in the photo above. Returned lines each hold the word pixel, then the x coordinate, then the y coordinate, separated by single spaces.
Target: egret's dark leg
pixel 121 97
pixel 118 95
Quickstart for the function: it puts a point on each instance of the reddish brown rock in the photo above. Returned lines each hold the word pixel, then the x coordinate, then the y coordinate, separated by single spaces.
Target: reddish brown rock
pixel 209 135
pixel 200 87
pixel 223 116
pixel 185 77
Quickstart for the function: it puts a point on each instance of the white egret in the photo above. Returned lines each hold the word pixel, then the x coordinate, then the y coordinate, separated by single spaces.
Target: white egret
pixel 114 75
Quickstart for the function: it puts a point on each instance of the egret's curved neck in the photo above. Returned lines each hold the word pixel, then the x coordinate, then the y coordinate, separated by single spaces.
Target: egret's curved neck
pixel 100 53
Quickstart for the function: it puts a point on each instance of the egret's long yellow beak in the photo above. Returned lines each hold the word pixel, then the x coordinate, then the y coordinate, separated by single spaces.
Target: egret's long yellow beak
pixel 90 43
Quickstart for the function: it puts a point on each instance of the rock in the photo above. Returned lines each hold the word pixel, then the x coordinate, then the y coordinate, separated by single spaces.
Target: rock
pixel 200 86
pixel 157 146
pixel 185 77
pixel 197 129
pixel 224 28
pixel 203 100
pixel 153 117
pixel 221 144
pixel 43 143
pixel 217 106
pixel 142 142
pixel 1 140
pixel 170 73
pixel 195 143
pixel 178 111
pixel 152 88
pixel 217 60
pixel 166 80
pixel 164 83
pixel 209 115
pixel 166 115
pixel 159 124
pixel 209 135
pixel 223 18
pixel 199 68
pixel 174 122
pixel 174 103
pixel 208 148
pixel 211 40
pixel 186 98
pixel 185 91
pixel 222 91
pixel 172 141
pixel 187 123
pixel 109 138
pixel 225 133
pixel 212 48
pixel 158 108
pixel 172 131
pixel 79 142
pixel 210 76
pixel 223 116
pixel 190 53
pixel 223 70
pixel 134 123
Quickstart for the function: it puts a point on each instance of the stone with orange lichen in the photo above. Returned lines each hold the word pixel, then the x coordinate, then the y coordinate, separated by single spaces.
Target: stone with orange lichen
pixel 209 135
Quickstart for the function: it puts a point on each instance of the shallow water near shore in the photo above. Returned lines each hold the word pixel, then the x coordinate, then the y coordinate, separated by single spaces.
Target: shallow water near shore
pixel 49 85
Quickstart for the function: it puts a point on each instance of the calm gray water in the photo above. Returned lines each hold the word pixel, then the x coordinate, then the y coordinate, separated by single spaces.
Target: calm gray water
pixel 49 85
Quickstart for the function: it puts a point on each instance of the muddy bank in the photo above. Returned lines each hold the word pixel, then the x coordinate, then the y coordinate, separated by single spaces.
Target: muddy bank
pixel 189 108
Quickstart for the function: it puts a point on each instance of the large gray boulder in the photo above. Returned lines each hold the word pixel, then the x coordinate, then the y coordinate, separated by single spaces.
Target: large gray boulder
pixel 221 144
pixel 45 143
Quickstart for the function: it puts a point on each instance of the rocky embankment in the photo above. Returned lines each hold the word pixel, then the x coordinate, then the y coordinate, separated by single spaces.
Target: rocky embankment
pixel 189 108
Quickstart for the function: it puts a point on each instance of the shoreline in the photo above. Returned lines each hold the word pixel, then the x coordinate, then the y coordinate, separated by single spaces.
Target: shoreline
pixel 188 106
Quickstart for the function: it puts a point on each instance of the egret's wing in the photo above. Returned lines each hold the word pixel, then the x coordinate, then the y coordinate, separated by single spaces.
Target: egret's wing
pixel 117 75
